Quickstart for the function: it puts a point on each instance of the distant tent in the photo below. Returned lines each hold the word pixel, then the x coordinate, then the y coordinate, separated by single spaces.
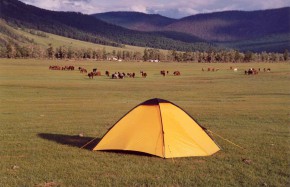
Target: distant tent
pixel 160 128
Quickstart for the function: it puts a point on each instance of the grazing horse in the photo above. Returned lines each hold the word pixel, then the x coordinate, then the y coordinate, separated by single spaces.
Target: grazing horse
pixel 97 73
pixel 144 74
pixel 91 75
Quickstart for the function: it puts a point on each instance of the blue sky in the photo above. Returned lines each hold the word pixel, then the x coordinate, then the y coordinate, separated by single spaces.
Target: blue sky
pixel 173 9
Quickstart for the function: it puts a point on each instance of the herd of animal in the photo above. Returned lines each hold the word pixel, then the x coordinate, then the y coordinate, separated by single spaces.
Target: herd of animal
pixel 250 71
pixel 122 75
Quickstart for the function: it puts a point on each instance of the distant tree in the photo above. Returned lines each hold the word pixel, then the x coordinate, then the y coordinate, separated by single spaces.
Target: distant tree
pixel 50 51
pixel 114 53
pixel 71 54
pixel 248 56
pixel 104 54
pixel 146 55
pixel 237 56
pixel 286 55
pixel 119 55
pixel 10 50
pixel 137 56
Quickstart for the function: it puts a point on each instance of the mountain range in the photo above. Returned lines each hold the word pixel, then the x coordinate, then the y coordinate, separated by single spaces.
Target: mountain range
pixel 263 30
pixel 216 27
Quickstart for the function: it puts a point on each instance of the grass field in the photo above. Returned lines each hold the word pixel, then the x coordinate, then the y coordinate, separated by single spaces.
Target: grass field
pixel 57 41
pixel 44 111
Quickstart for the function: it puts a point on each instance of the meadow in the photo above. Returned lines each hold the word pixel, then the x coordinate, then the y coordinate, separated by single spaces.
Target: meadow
pixel 43 112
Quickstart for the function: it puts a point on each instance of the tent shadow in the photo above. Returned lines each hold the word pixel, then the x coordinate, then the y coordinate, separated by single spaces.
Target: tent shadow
pixel 85 142
pixel 74 141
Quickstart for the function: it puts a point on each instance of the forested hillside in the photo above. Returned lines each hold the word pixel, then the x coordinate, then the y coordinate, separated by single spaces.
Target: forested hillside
pixel 135 20
pixel 242 30
pixel 87 28
pixel 234 25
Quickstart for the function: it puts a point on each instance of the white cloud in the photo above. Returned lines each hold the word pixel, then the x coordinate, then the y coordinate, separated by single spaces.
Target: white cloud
pixel 178 8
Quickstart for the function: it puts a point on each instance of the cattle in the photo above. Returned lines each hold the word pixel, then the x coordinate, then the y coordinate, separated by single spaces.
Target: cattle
pixel 115 76
pixel 144 75
pixel 108 73
pixel 82 70
pixel 162 72
pixel 70 68
pixel 251 71
pixel 176 73
pixel 131 75
pixel 91 75
pixel 118 75
pixel 97 73
pixel 54 67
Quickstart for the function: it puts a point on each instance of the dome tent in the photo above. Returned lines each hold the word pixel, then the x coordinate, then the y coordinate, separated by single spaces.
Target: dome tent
pixel 158 127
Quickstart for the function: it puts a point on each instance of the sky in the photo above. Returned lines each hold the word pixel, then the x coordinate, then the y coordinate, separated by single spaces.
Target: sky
pixel 169 8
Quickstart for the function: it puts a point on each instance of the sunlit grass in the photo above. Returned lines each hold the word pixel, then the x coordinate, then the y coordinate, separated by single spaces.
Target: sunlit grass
pixel 43 112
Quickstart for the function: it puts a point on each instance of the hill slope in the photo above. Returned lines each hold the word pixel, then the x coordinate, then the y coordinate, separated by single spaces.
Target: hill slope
pixel 85 27
pixel 234 25
pixel 135 20
pixel 268 28
pixel 29 37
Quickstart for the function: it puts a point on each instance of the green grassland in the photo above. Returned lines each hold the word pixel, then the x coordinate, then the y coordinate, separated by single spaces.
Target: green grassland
pixel 44 111
pixel 57 41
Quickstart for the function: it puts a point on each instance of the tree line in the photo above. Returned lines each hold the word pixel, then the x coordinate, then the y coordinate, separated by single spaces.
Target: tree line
pixel 14 50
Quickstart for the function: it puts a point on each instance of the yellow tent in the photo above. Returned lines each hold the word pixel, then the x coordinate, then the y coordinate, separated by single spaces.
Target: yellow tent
pixel 160 128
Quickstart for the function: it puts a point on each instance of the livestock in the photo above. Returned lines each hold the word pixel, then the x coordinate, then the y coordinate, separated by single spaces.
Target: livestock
pixel 162 72
pixel 131 75
pixel 251 71
pixel 71 68
pixel 82 70
pixel 91 75
pixel 176 73
pixel 115 76
pixel 108 73
pixel 144 74
pixel 118 75
pixel 97 73
pixel 54 67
